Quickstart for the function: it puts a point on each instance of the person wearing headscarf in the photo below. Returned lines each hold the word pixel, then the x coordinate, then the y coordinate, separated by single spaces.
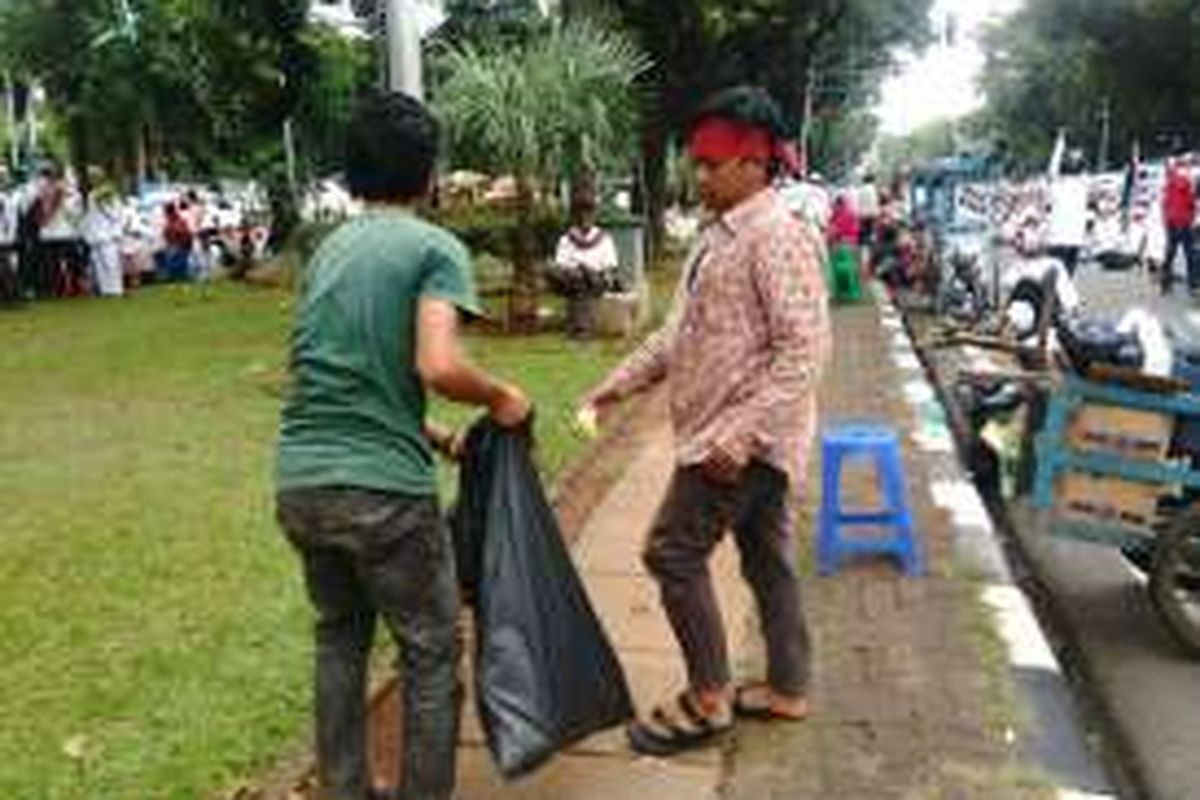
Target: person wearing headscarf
pixel 103 227
pixel 843 237
pixel 585 263
pixel 742 353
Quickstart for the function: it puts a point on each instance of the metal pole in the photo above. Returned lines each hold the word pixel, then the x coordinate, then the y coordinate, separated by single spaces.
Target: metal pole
pixel 10 113
pixel 1105 127
pixel 404 49
pixel 289 151
pixel 806 124
pixel 31 118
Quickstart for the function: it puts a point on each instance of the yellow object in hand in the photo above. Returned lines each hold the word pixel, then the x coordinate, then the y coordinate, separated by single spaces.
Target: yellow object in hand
pixel 586 422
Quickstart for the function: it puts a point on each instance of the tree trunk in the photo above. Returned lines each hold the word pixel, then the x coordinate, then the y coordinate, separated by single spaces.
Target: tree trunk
pixel 80 153
pixel 142 156
pixel 654 185
pixel 523 298
pixel 285 212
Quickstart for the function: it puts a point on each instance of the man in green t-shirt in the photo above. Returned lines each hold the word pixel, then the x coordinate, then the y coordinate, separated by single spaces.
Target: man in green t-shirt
pixel 376 327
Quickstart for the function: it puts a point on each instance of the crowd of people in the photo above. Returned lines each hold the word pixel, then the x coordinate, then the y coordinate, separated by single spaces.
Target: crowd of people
pixel 868 230
pixel 1146 216
pixel 55 243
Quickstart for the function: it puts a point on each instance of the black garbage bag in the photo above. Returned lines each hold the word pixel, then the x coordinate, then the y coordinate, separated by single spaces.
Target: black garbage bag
pixel 545 673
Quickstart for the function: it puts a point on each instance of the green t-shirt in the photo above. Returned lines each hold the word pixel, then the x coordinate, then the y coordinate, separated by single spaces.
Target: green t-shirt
pixel 355 415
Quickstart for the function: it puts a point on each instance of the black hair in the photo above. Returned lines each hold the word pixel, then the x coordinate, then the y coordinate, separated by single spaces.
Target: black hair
pixel 751 105
pixel 583 196
pixel 391 147
pixel 1074 163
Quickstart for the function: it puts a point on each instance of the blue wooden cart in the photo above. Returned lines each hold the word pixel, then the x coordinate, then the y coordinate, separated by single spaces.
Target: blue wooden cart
pixel 1124 475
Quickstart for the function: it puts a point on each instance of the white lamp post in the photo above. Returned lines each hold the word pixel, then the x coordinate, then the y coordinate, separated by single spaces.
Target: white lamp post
pixel 404 48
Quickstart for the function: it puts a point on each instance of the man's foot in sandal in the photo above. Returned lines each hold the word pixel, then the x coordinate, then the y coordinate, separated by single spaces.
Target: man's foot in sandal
pixel 677 726
pixel 760 701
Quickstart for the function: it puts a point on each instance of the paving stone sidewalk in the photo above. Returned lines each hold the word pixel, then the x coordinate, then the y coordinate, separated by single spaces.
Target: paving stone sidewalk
pixel 607 557
pixel 911 698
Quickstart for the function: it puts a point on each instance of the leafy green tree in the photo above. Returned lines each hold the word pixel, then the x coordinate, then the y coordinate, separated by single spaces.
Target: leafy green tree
pixel 698 46
pixel 1061 63
pixel 492 22
pixel 938 139
pixel 343 67
pixel 197 87
pixel 43 40
pixel 840 137
pixel 932 140
pixel 128 79
pixel 561 101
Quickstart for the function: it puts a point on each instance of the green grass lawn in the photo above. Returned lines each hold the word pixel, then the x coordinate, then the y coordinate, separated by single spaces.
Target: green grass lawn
pixel 150 612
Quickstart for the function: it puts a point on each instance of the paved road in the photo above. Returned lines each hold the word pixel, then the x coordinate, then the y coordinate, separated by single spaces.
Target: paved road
pixel 1150 692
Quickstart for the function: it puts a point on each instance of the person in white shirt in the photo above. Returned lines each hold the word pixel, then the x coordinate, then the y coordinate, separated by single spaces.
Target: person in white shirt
pixel 585 263
pixel 585 245
pixel 866 205
pixel 103 227
pixel 1068 214
pixel 136 245
pixel 10 283
pixel 808 200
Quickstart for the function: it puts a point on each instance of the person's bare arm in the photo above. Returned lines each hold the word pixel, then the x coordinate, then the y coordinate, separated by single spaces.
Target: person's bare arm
pixel 445 370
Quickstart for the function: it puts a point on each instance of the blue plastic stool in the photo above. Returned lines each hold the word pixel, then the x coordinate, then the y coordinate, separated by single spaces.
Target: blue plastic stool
pixel 879 443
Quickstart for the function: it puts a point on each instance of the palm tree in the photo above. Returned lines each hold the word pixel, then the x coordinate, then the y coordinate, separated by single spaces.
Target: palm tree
pixel 555 107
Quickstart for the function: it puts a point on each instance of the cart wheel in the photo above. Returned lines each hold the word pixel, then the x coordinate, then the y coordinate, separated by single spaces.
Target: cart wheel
pixel 1175 579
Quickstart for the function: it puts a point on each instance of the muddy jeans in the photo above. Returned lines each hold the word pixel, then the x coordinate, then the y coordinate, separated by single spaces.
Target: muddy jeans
pixel 690 524
pixel 369 553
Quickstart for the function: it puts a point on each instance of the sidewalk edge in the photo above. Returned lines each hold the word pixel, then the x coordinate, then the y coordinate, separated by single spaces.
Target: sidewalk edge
pixel 1056 743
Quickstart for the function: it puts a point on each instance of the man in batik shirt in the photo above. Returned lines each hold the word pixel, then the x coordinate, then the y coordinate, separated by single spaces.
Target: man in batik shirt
pixel 742 354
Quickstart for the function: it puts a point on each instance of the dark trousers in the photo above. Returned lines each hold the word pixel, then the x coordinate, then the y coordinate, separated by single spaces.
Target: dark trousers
pixel 1177 238
pixel 10 276
pixel 690 524
pixel 581 288
pixel 174 264
pixel 370 553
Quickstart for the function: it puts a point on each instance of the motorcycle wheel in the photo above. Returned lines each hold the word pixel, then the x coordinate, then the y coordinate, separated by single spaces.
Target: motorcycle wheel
pixel 1175 580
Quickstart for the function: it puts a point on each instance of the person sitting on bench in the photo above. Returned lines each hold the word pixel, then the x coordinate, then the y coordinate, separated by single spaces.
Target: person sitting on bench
pixel 585 264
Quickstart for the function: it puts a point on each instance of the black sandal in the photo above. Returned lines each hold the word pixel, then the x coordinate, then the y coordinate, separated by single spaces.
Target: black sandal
pixel 750 709
pixel 666 733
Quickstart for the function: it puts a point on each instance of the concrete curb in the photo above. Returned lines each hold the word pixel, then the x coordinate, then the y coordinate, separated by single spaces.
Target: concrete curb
pixel 1055 744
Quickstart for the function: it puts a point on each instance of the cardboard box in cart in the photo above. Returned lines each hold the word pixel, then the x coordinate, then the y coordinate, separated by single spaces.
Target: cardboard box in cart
pixel 1125 433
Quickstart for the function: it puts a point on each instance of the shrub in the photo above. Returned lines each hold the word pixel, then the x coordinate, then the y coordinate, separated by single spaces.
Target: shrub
pixel 306 238
pixel 485 229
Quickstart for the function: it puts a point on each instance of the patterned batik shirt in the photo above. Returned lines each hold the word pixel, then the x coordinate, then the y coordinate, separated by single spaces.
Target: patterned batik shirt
pixel 746 340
